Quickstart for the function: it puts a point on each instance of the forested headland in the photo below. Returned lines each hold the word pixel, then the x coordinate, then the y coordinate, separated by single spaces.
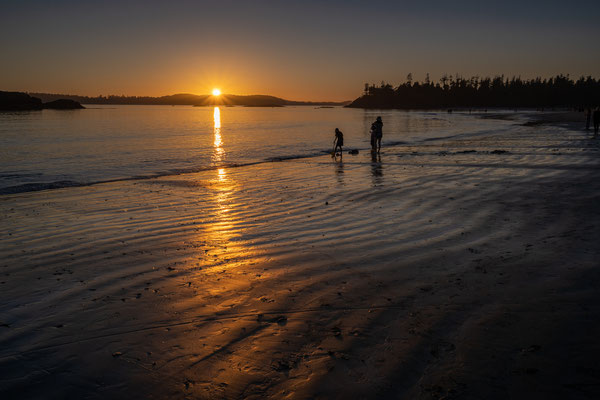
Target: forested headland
pixel 476 92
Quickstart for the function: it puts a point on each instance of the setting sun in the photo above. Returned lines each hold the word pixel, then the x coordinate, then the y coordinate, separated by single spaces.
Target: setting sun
pixel 216 92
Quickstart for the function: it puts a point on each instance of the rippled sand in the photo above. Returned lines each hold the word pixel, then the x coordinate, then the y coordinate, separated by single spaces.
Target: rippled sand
pixel 446 270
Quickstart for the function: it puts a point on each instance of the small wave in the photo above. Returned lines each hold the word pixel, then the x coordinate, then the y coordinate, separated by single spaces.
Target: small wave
pixel 497 130
pixel 38 186
pixel 442 137
pixel 34 187
pixel 297 156
pixel 17 175
pixel 386 143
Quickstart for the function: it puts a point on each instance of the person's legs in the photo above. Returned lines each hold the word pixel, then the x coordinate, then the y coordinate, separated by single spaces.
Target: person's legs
pixel 588 119
pixel 378 144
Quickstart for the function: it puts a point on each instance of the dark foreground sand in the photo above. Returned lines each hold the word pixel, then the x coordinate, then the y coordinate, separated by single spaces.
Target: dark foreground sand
pixel 447 270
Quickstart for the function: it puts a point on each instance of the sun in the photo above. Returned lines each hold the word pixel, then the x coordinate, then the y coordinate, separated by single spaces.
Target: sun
pixel 216 92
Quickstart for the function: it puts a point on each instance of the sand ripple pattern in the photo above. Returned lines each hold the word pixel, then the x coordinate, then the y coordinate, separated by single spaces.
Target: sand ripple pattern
pixel 300 278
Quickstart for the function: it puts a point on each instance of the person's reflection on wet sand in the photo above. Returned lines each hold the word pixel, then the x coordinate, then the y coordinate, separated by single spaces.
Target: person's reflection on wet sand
pixel 376 168
pixel 339 169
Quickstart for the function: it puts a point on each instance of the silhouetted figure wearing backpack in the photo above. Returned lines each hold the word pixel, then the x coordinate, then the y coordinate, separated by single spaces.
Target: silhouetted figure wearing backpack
pixel 376 134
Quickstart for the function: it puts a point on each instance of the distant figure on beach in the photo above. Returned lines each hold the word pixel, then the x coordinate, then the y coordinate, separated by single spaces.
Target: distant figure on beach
pixel 376 134
pixel 588 118
pixel 338 141
pixel 596 121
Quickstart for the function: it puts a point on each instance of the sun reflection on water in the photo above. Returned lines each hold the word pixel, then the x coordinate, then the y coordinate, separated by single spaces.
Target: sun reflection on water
pixel 223 187
pixel 219 152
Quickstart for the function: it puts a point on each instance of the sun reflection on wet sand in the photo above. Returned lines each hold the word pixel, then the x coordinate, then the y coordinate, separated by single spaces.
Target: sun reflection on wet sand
pixel 222 174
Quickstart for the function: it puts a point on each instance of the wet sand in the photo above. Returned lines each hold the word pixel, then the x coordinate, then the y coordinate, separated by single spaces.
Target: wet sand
pixel 460 268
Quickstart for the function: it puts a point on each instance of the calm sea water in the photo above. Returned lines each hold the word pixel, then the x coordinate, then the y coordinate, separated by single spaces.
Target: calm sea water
pixel 52 148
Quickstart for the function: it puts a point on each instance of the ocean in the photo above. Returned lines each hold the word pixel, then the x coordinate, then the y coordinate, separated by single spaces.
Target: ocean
pixel 61 148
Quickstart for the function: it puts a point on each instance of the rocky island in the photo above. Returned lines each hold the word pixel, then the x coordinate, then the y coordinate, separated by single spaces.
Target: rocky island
pixel 18 101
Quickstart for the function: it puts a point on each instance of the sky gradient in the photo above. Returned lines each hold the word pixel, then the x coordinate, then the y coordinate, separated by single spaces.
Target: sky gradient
pixel 298 50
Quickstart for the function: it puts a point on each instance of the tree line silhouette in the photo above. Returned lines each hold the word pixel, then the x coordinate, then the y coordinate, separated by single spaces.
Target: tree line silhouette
pixel 476 92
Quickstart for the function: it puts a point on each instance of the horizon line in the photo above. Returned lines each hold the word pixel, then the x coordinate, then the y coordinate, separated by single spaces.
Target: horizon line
pixel 180 93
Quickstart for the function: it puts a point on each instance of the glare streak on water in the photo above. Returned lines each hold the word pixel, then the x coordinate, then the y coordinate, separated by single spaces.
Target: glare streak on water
pixel 101 143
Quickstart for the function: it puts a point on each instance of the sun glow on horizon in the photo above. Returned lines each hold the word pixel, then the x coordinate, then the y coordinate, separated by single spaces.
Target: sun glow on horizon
pixel 216 92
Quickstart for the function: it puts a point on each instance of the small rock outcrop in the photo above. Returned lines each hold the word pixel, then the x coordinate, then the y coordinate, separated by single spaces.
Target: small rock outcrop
pixel 63 104
pixel 17 101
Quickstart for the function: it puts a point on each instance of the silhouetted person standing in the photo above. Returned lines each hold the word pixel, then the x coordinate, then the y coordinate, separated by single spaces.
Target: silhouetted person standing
pixel 588 118
pixel 376 134
pixel 338 141
pixel 596 121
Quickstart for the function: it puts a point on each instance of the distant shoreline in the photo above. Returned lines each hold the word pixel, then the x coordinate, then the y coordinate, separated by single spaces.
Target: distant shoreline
pixel 186 99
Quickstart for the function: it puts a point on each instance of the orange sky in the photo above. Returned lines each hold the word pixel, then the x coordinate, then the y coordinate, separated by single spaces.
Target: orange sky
pixel 298 50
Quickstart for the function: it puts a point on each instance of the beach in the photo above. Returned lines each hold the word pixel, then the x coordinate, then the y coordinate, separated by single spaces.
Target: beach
pixel 453 268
